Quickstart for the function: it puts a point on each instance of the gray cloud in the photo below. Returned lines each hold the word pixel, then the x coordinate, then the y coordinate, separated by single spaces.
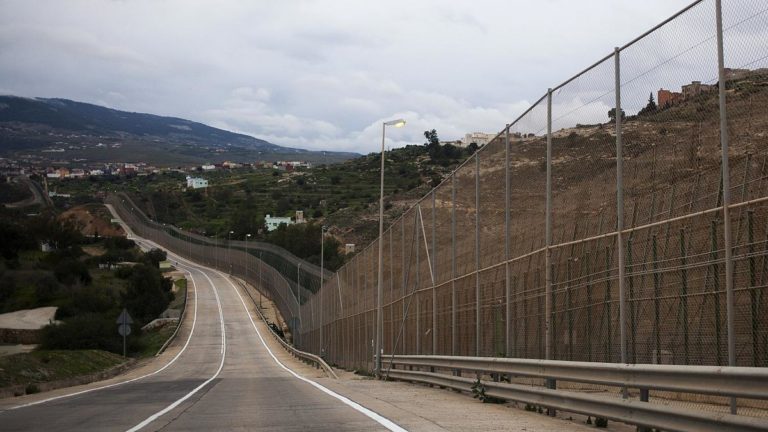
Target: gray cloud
pixel 324 74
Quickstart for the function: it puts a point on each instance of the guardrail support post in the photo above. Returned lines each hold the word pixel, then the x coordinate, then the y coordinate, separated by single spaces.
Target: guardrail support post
pixel 726 184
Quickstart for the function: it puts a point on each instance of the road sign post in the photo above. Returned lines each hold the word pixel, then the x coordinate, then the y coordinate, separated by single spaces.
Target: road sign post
pixel 124 322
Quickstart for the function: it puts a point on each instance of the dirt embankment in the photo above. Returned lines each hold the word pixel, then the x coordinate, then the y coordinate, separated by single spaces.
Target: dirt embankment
pixel 93 220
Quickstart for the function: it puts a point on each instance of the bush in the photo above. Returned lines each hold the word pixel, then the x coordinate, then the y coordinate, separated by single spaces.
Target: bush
pixel 88 331
pixel 148 293
pixel 69 271
pixel 120 243
pixel 86 299
pixel 154 257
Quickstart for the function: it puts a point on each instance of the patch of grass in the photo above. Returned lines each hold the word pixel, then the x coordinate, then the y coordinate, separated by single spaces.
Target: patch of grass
pixel 45 366
pixel 179 295
pixel 152 340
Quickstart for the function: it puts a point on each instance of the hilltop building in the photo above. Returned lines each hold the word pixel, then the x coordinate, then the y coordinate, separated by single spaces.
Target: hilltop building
pixel 273 223
pixel 196 182
pixel 479 138
pixel 666 98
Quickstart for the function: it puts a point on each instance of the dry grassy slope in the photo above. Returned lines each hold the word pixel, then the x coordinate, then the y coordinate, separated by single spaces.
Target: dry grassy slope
pixel 676 146
pixel 92 219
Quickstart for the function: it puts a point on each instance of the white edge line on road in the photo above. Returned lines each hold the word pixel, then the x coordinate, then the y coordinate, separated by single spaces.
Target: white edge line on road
pixel 190 265
pixel 389 424
pixel 158 414
pixel 189 338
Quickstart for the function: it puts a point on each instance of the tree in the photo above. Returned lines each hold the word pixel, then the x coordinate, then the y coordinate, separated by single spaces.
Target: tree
pixel 432 139
pixel 154 257
pixel 472 148
pixel 650 107
pixel 612 115
pixel 148 293
pixel 432 144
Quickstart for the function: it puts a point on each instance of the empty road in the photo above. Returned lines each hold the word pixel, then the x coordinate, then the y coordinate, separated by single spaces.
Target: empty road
pixel 218 374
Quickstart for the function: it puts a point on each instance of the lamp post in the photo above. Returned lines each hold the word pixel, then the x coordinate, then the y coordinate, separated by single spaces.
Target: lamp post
pixel 380 290
pixel 322 280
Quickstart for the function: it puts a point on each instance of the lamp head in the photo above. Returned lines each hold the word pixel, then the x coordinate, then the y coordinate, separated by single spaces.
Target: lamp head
pixel 396 123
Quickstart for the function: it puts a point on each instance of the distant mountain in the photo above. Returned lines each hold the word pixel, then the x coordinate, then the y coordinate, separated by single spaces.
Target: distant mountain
pixel 62 129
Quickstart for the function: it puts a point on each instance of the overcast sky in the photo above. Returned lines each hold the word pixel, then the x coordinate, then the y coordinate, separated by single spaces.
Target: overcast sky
pixel 314 74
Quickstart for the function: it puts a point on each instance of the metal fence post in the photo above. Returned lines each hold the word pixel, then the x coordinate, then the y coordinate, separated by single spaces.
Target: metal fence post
pixel 620 214
pixel 508 285
pixel 418 284
pixel 391 293
pixel 477 253
pixel 454 339
pixel 403 291
pixel 550 383
pixel 726 183
pixel 548 238
pixel 434 268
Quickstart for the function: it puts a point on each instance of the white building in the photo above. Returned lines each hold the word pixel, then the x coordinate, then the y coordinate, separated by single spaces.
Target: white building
pixel 273 222
pixel 208 167
pixel 479 138
pixel 196 182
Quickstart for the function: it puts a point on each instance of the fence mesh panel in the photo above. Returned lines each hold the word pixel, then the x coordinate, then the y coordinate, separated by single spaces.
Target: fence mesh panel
pixel 469 270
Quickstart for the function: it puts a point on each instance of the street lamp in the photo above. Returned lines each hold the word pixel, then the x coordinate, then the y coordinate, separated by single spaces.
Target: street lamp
pixel 380 290
pixel 322 280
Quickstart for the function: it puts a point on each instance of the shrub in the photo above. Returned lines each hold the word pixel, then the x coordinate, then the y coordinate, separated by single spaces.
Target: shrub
pixel 87 331
pixel 69 271
pixel 148 293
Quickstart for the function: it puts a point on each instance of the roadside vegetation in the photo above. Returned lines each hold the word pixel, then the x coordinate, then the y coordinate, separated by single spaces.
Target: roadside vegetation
pixel 90 280
pixel 343 196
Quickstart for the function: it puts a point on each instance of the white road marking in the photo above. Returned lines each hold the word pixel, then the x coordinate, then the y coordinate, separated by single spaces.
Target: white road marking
pixel 190 265
pixel 160 413
pixel 389 424
pixel 189 338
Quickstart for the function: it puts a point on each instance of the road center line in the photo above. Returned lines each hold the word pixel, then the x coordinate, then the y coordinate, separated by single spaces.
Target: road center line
pixel 389 424
pixel 170 407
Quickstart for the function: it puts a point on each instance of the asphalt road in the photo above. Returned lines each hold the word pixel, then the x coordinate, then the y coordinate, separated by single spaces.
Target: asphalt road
pixel 218 374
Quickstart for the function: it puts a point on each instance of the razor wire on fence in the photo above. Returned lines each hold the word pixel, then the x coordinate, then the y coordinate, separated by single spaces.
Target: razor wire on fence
pixel 601 225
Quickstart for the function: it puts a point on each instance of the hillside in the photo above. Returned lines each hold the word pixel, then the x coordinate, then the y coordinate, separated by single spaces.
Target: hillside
pixel 660 148
pixel 61 129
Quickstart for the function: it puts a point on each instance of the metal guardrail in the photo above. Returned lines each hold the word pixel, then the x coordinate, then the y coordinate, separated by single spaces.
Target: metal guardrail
pixel 721 381
pixel 302 355
pixel 744 382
